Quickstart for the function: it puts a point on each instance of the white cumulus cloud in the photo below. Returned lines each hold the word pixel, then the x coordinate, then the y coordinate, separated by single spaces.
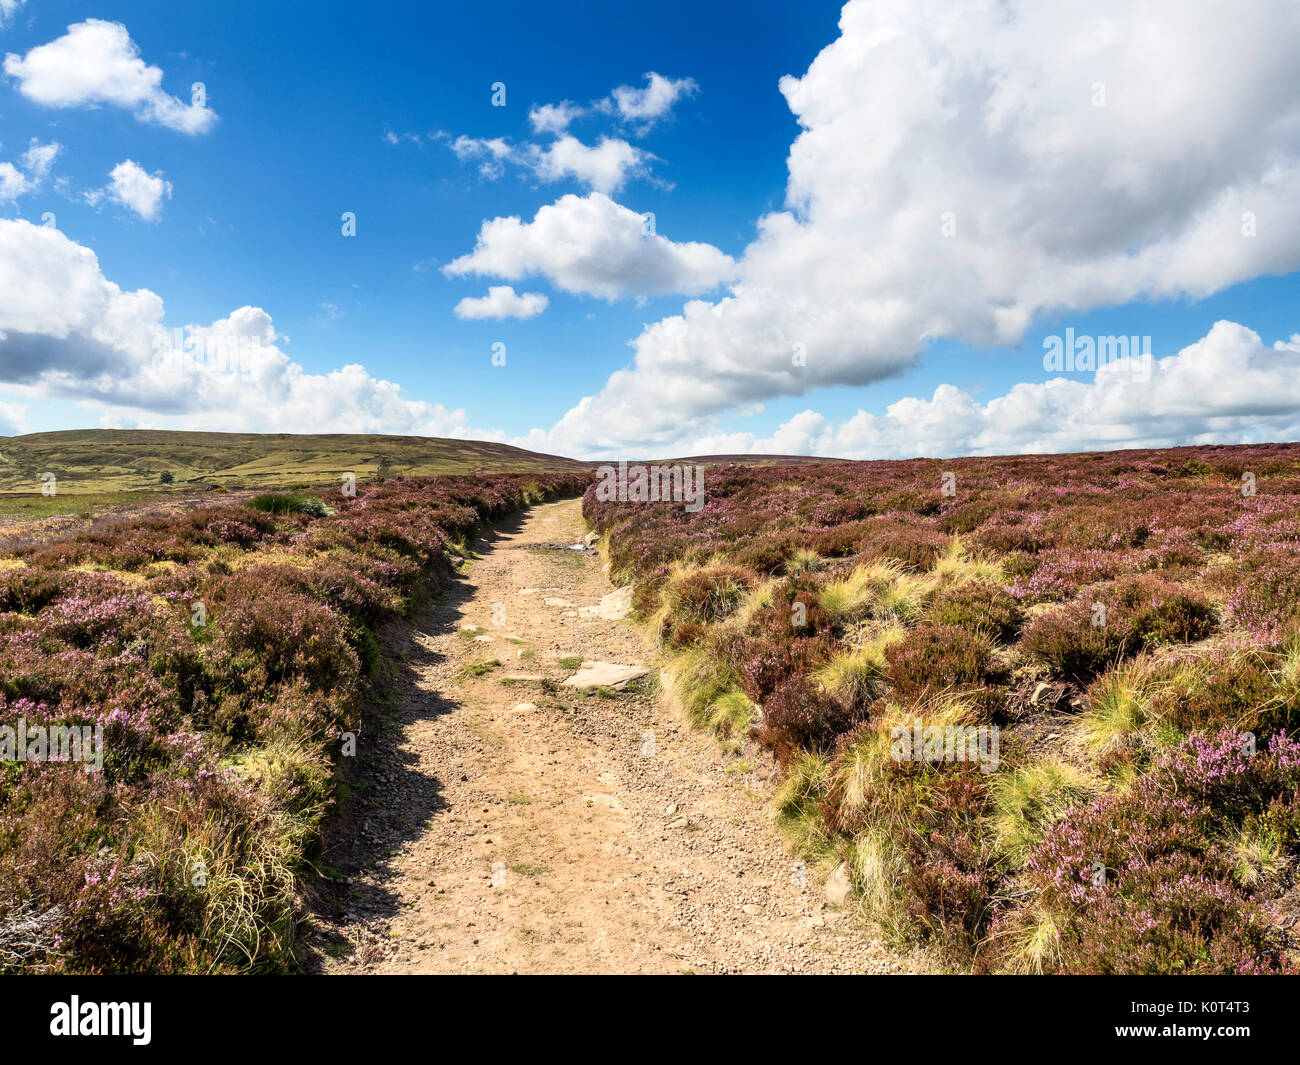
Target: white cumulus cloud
pixel 68 332
pixel 97 63
pixel 646 106
pixel 591 245
pixel 36 163
pixel 133 187
pixel 554 118
pixel 502 302
pixel 964 167
pixel 605 166
pixel 1227 387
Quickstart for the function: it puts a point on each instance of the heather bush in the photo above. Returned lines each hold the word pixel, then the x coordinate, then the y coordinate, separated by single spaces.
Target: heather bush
pixel 931 658
pixel 701 597
pixel 913 597
pixel 797 716
pixel 1112 621
pixel 219 734
pixel 977 607
pixel 1140 882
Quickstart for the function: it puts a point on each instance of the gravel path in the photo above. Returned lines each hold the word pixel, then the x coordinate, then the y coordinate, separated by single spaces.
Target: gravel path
pixel 523 826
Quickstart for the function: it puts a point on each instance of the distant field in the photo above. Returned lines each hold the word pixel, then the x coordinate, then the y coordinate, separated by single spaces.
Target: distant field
pixel 133 460
pixel 32 506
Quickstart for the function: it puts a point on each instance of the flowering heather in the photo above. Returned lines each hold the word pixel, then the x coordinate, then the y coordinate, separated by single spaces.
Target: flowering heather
pixel 1025 585
pixel 223 652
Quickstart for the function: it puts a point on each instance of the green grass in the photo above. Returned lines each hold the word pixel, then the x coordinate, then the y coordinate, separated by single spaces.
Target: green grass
pixel 290 503
pixel 85 504
pixel 480 668
pixel 570 662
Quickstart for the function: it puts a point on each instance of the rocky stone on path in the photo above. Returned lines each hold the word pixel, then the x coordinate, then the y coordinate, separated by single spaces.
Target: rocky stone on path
pixel 613 607
pixel 605 675
pixel 838 885
pixel 552 600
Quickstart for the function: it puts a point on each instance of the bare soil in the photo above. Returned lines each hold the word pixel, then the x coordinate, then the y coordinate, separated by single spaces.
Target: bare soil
pixel 519 826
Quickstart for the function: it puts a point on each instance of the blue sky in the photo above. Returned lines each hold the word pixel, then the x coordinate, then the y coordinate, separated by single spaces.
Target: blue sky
pixel 322 109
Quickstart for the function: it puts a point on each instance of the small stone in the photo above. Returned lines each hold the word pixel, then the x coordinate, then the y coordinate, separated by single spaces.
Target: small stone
pixel 838 885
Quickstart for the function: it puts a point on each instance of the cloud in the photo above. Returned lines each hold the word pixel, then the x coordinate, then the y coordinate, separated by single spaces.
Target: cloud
pixel 954 177
pixel 9 8
pixel 641 108
pixel 13 183
pixel 39 158
pixel 13 419
pixel 492 153
pixel 645 107
pixel 134 188
pixel 503 302
pixel 605 166
pixel 36 164
pixel 593 246
pixel 1227 387
pixel 68 332
pixel 96 62
pixel 554 118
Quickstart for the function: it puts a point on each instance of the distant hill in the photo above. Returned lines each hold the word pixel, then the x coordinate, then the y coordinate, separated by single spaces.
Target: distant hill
pixel 116 460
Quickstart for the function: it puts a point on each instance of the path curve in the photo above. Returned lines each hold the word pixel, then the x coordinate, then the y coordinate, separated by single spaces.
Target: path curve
pixel 514 826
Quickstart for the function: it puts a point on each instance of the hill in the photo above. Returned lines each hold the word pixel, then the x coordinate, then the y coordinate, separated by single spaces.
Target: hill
pixel 117 460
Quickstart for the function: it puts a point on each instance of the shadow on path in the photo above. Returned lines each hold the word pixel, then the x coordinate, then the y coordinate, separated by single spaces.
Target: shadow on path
pixel 386 799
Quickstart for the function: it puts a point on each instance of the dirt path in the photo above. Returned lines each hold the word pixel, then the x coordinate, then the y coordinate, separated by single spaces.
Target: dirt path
pixel 524 826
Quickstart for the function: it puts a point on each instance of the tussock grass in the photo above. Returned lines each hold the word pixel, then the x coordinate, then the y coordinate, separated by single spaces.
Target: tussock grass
pixel 802 561
pixel 1027 800
pixel 883 589
pixel 858 674
pixel 1258 856
pixel 877 865
pixel 1120 707
pixel 1035 944
pixel 707 692
pixel 959 564
pixel 290 503
pixel 867 762
pixel 798 803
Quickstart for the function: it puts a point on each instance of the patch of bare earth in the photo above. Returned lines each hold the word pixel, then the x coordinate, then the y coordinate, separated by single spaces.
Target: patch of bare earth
pixel 520 825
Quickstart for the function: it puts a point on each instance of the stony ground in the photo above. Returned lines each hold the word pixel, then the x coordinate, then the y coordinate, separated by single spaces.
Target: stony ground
pixel 514 824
